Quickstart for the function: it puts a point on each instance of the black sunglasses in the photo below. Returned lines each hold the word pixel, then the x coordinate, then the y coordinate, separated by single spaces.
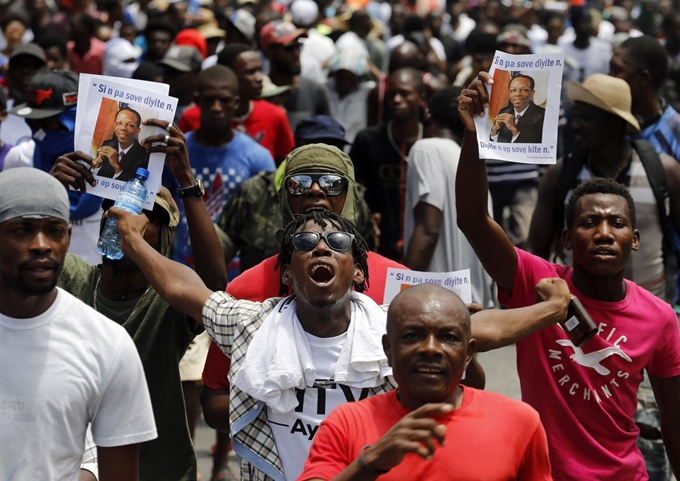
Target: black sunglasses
pixel 338 241
pixel 331 184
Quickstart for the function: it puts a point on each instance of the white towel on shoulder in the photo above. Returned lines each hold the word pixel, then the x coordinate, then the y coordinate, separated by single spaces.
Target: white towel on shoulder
pixel 279 358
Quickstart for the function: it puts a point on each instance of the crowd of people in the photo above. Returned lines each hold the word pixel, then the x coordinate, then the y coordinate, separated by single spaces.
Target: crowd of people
pixel 317 144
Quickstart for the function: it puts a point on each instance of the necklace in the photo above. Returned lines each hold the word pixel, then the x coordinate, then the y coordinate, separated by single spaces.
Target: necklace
pixel 394 145
pixel 99 284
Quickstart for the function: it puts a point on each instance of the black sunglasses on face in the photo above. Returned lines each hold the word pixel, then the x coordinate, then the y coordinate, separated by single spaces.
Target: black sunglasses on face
pixel 331 184
pixel 338 241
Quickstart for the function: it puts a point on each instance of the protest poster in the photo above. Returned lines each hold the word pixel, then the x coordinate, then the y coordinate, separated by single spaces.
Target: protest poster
pixel 457 282
pixel 109 126
pixel 520 123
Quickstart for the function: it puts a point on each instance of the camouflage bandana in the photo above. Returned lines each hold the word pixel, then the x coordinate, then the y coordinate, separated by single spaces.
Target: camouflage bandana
pixel 325 158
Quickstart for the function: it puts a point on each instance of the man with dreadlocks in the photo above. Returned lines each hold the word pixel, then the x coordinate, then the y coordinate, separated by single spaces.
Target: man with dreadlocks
pixel 295 359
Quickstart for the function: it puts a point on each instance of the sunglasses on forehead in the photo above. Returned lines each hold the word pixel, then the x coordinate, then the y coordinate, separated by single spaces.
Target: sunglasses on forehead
pixel 331 184
pixel 338 241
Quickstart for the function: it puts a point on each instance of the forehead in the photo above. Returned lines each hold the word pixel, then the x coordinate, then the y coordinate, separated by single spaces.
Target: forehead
pixel 602 204
pixel 520 82
pixel 311 226
pixel 126 115
pixel 621 56
pixel 249 59
pixel 35 221
pixel 402 82
pixel 429 311
pixel 216 88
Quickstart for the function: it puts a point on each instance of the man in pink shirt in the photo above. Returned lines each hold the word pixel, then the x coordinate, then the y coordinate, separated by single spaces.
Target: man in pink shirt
pixel 586 396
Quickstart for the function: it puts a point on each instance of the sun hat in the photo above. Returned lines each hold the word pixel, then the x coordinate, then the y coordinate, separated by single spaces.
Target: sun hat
pixel 605 92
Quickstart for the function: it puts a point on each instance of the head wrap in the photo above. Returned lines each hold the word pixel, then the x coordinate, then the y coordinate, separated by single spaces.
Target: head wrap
pixel 325 158
pixel 31 193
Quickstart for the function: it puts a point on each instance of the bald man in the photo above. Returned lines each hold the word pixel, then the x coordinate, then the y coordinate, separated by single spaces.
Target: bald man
pixel 431 427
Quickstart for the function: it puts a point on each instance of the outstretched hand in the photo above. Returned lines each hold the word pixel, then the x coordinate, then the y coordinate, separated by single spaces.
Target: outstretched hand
pixel 72 171
pixel 414 433
pixel 473 100
pixel 554 290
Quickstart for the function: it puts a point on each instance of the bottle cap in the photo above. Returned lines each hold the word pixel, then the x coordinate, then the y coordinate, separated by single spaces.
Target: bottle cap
pixel 142 172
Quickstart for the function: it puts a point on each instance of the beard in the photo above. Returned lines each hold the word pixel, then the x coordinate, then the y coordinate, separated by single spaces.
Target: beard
pixel 120 266
pixel 20 284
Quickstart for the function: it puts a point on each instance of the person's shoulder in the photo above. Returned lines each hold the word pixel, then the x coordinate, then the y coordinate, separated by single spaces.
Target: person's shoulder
pixel 648 302
pixel 376 261
pixel 269 109
pixel 504 407
pixel 436 145
pixel 365 409
pixel 369 132
pixel 258 283
pixel 86 323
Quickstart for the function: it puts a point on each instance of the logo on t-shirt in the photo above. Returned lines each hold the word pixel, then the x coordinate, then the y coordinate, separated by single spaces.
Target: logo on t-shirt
pixel 598 373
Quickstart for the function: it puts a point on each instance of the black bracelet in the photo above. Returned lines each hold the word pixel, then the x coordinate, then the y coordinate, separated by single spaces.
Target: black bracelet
pixel 364 464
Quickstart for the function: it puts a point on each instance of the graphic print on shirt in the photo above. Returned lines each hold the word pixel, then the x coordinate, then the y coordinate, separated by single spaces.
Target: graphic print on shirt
pixel 587 372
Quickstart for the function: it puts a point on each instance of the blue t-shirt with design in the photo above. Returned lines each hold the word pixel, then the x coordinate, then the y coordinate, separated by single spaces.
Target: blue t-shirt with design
pixel 222 170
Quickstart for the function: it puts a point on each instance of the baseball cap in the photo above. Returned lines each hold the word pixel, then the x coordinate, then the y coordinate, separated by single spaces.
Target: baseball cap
pixel 49 94
pixel 270 89
pixel 279 32
pixel 351 60
pixel 244 22
pixel 183 58
pixel 320 127
pixel 30 49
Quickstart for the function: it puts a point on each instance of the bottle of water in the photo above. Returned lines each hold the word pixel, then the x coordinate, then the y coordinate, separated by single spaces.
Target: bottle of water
pixel 131 199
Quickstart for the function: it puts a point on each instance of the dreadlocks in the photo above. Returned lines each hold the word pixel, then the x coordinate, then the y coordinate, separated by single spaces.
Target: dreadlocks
pixel 322 219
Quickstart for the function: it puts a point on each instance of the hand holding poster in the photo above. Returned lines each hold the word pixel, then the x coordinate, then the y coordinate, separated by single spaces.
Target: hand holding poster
pixel 457 282
pixel 520 124
pixel 109 128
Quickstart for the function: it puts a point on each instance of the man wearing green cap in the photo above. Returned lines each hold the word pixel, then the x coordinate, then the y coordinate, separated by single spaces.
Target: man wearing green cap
pixel 119 290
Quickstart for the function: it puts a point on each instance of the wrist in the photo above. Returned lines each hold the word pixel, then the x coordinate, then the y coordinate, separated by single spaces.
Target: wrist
pixel 186 179
pixel 368 460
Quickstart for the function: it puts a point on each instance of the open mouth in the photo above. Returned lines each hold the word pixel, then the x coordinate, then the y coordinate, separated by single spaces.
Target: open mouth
pixel 604 253
pixel 430 370
pixel 321 273
pixel 315 208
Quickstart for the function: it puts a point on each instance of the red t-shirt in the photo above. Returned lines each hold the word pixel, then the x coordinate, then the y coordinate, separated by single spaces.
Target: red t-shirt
pixel 586 396
pixel 267 124
pixel 262 282
pixel 488 438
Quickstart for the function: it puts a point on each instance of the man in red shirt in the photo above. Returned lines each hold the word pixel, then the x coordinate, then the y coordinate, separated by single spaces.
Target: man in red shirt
pixel 264 122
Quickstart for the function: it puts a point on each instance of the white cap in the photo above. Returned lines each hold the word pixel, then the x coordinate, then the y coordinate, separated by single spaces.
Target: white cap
pixel 304 12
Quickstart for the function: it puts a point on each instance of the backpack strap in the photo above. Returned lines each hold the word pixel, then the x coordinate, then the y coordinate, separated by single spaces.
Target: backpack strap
pixel 657 181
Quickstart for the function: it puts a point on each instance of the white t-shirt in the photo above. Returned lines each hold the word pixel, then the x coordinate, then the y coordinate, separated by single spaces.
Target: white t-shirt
pixel 84 232
pixel 294 431
pixel 14 130
pixel 594 59
pixel 60 371
pixel 351 110
pixel 431 178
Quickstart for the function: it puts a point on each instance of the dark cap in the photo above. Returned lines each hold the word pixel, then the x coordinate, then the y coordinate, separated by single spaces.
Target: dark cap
pixel 31 49
pixel 320 127
pixel 183 58
pixel 49 94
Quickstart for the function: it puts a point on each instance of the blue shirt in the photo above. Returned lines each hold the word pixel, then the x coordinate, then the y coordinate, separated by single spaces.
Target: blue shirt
pixel 222 170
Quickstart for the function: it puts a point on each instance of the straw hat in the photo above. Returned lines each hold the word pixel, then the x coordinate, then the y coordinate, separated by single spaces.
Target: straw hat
pixel 605 92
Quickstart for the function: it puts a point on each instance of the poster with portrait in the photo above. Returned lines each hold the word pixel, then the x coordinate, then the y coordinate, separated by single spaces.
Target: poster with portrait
pixel 109 128
pixel 520 123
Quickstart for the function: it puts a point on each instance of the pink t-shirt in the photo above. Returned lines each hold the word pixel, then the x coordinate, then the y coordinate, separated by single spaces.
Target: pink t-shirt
pixel 586 396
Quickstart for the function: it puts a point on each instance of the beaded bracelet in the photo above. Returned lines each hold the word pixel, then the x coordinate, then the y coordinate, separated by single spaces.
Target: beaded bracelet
pixel 364 464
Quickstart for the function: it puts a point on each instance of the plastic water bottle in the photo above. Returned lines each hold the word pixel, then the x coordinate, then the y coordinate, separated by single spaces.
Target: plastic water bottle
pixel 131 199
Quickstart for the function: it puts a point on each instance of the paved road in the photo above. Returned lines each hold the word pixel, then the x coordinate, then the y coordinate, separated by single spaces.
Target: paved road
pixel 501 376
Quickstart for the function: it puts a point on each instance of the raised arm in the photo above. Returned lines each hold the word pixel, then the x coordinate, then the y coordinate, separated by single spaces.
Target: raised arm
pixel 178 284
pixel 208 256
pixel 490 242
pixel 495 328
pixel 425 236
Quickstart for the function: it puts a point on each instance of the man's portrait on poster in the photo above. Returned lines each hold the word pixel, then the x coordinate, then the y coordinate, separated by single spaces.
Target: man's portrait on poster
pixel 116 141
pixel 517 117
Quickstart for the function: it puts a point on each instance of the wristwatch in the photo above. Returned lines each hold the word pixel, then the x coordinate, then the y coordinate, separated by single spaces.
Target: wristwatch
pixel 195 190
